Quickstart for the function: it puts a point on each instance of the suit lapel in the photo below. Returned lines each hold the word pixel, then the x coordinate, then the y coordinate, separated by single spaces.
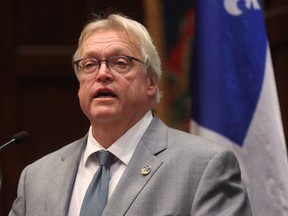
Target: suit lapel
pixel 132 180
pixel 62 179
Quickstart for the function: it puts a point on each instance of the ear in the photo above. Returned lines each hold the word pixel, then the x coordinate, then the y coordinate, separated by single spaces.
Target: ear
pixel 152 84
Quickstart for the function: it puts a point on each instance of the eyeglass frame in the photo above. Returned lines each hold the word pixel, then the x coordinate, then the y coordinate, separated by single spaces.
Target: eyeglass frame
pixel 130 58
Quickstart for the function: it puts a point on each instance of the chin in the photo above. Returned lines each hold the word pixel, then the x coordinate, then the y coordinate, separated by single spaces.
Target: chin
pixel 102 115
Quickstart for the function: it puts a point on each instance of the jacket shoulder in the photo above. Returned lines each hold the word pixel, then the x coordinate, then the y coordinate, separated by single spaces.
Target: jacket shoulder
pixel 59 155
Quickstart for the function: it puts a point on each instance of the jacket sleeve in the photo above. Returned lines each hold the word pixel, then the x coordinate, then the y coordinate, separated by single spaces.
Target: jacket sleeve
pixel 221 190
pixel 18 207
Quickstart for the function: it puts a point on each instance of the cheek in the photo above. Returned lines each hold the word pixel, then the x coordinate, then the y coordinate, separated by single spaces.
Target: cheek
pixel 83 91
pixel 141 86
pixel 84 100
pixel 81 98
pixel 80 91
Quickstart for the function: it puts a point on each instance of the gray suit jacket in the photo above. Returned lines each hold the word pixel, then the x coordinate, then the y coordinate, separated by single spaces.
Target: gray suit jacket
pixel 189 176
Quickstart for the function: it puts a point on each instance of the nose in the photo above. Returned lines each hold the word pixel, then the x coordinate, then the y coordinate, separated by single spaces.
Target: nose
pixel 103 72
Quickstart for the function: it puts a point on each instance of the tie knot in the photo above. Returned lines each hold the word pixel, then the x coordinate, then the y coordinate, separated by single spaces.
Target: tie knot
pixel 106 158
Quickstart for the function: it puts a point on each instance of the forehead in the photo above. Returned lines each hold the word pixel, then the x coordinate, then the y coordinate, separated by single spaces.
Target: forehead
pixel 109 41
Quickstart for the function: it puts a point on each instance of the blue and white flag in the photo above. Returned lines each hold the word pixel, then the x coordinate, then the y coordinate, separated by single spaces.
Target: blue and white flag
pixel 234 97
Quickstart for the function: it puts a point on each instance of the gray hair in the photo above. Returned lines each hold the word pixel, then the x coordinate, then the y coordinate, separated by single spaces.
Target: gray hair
pixel 134 30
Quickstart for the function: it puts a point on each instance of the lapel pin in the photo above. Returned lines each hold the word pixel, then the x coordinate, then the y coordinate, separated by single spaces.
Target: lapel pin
pixel 146 170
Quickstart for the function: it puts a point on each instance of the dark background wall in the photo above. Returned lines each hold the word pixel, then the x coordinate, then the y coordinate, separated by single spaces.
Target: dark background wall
pixel 38 90
pixel 276 21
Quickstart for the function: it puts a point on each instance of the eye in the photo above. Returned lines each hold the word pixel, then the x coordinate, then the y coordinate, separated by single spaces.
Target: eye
pixel 89 65
pixel 119 62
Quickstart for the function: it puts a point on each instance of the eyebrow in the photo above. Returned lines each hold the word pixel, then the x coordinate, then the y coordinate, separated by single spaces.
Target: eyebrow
pixel 106 56
pixel 117 50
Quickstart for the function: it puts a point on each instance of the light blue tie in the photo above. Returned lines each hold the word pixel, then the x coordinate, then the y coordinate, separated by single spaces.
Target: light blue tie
pixel 96 196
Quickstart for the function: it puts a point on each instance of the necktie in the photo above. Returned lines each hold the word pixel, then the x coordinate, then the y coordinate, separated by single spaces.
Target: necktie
pixel 96 196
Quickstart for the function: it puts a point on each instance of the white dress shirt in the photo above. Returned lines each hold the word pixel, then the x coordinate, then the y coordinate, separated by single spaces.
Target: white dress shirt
pixel 123 149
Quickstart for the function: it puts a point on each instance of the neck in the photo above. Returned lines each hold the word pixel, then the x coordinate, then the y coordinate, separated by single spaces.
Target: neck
pixel 107 133
pixel 106 136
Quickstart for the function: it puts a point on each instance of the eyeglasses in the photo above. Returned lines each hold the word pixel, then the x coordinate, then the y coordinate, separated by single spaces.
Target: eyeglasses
pixel 117 65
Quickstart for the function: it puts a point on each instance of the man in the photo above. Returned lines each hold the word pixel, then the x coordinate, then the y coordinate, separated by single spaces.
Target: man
pixel 157 170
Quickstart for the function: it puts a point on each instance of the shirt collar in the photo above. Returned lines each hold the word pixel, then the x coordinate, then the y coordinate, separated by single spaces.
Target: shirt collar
pixel 124 147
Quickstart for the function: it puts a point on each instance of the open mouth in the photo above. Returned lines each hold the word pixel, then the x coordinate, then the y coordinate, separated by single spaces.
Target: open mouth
pixel 105 94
